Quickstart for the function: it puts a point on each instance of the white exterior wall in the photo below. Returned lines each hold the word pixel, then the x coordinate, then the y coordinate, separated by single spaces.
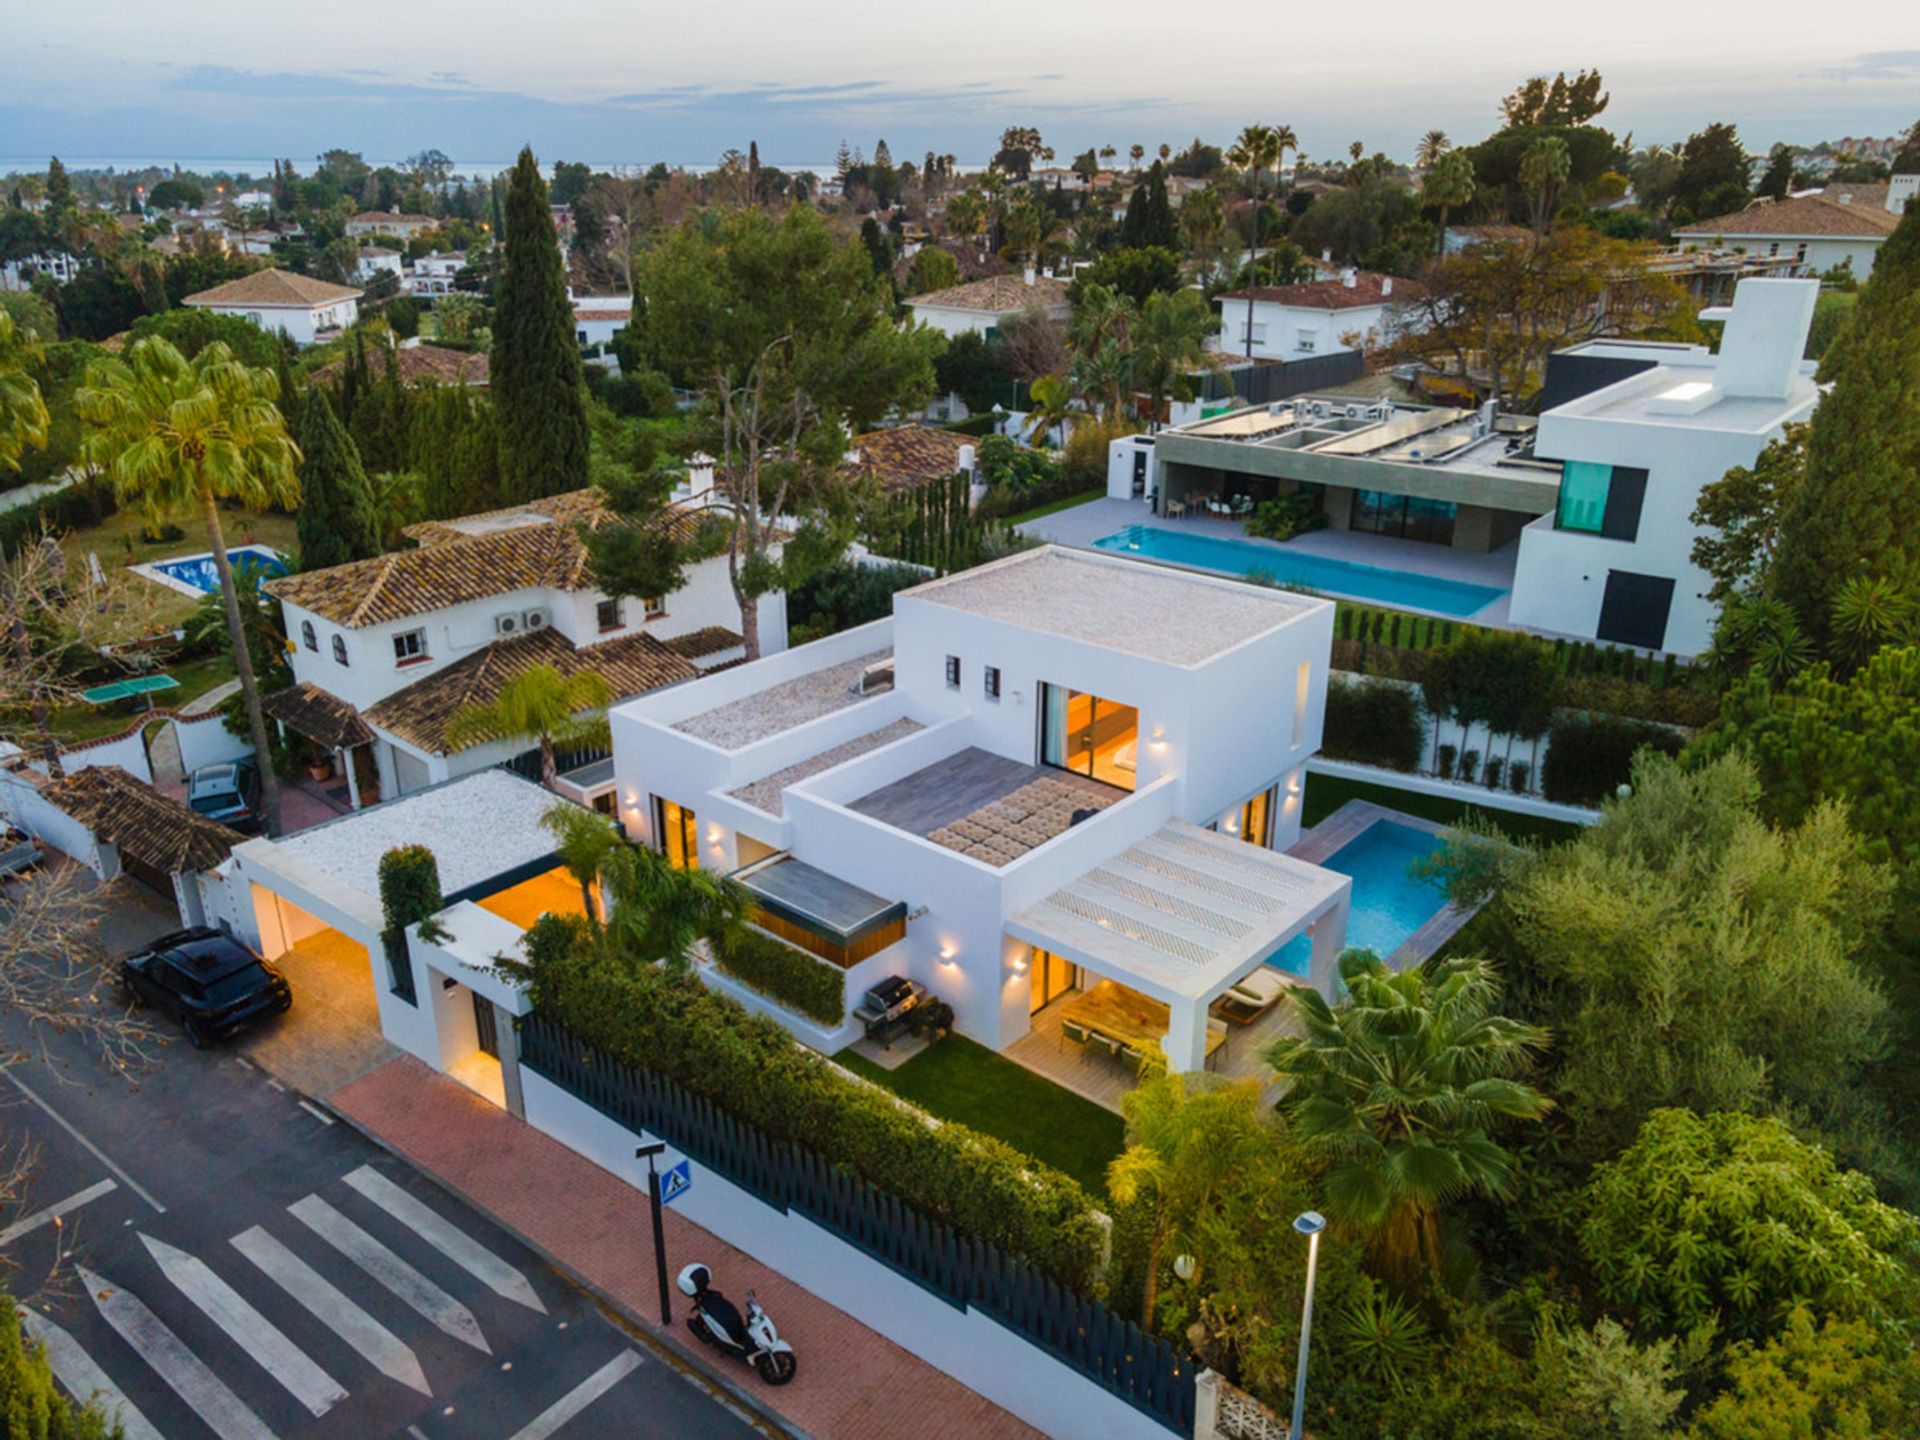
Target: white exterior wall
pixel 1120 463
pixel 1277 329
pixel 206 740
pixel 1823 252
pixel 301 325
pixel 372 265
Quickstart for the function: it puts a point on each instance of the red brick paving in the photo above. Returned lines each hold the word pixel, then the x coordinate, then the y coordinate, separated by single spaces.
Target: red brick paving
pixel 852 1384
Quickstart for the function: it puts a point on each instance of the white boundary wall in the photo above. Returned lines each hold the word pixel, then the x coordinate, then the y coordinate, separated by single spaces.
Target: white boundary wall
pixel 1453 790
pixel 205 740
pixel 973 1348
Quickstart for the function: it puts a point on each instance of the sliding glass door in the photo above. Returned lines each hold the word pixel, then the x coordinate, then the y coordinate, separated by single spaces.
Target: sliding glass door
pixel 679 834
pixel 1089 736
pixel 1051 978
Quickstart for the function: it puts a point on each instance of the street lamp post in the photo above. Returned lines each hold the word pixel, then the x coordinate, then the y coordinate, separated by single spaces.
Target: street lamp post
pixel 648 1152
pixel 1309 1224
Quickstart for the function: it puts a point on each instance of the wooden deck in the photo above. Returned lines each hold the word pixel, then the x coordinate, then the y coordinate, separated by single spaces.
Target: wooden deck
pixel 953 788
pixel 1045 1051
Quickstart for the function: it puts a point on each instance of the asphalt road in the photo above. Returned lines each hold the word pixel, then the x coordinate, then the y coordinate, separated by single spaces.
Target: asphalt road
pixel 231 1262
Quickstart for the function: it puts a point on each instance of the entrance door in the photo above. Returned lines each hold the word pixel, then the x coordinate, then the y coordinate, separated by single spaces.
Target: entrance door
pixel 485 1029
pixel 1051 977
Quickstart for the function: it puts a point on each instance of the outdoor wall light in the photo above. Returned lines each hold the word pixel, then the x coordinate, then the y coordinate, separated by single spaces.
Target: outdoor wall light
pixel 948 954
pixel 1184 1266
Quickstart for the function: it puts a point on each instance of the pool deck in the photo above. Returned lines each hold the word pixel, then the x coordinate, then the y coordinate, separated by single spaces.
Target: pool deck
pixel 1082 525
pixel 236 554
pixel 1347 824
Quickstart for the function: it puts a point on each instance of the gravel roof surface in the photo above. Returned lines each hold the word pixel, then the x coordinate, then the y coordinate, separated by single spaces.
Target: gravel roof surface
pixel 741 722
pixel 766 793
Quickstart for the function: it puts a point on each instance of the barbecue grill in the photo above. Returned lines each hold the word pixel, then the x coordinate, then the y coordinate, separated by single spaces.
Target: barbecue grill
pixel 887 1008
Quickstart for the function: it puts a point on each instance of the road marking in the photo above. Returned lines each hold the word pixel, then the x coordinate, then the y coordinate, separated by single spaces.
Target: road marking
pixel 186 1373
pixel 390 1270
pixel 27 1224
pixel 74 1368
pixel 92 1149
pixel 270 1349
pixel 581 1396
pixel 446 1237
pixel 377 1345
pixel 416 1432
pixel 316 1112
pixel 276 1085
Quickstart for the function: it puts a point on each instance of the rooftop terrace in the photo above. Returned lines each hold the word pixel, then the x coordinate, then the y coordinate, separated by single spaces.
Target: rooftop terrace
pixel 740 723
pixel 1381 431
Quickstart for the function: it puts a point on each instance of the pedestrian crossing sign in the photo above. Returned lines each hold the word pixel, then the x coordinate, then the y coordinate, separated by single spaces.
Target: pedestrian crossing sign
pixel 676 1182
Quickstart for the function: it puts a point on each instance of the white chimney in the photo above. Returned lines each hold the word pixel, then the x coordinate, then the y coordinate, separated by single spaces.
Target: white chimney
pixel 1030 277
pixel 1326 256
pixel 1386 287
pixel 967 458
pixel 1350 277
pixel 699 477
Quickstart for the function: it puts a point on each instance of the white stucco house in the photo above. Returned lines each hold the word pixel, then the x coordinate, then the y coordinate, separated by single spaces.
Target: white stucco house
pixel 981 306
pixel 1037 776
pixel 1612 561
pixel 433 274
pixel 390 222
pixel 56 265
pixel 375 261
pixel 1355 310
pixel 385 651
pixel 1842 224
pixel 298 306
pixel 597 318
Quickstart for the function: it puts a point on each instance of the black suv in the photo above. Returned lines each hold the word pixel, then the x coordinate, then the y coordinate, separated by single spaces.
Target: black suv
pixel 208 981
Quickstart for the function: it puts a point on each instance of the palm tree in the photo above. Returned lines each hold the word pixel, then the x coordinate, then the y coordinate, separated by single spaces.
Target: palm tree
pixel 1189 1138
pixel 174 435
pixel 583 839
pixel 1258 147
pixel 1136 153
pixel 1100 337
pixel 538 704
pixel 1432 146
pixel 1169 341
pixel 657 911
pixel 967 214
pixel 1052 399
pixel 1398 1088
pixel 23 414
pixel 1544 168
pixel 1448 182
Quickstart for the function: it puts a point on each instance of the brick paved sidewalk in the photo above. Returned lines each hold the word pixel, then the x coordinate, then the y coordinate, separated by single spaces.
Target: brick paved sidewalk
pixel 852 1384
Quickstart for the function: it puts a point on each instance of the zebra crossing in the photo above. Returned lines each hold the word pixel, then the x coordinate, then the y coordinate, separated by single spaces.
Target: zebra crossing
pixel 327 1342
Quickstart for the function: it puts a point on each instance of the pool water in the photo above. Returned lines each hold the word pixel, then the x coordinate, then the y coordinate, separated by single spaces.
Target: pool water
pixel 198 571
pixel 1335 577
pixel 1388 903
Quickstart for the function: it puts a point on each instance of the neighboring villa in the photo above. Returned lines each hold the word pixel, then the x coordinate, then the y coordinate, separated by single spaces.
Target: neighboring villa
pixel 388 222
pixel 1356 310
pixel 908 457
pixel 298 306
pixel 1842 224
pixel 982 306
pixel 598 318
pixel 1598 490
pixel 375 261
pixel 432 275
pixel 420 363
pixel 387 650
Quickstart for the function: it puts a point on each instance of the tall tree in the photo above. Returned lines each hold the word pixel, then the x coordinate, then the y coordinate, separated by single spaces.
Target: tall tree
pixel 542 705
pixel 1432 146
pixel 177 436
pixel 1778 179
pixel 1543 170
pixel 23 413
pixel 1557 102
pixel 1856 505
pixel 1149 213
pixel 1258 147
pixel 1713 178
pixel 1447 185
pixel 538 390
pixel 1169 345
pixel 337 521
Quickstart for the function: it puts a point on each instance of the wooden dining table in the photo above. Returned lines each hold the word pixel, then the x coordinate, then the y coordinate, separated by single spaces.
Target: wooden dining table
pixel 1128 1018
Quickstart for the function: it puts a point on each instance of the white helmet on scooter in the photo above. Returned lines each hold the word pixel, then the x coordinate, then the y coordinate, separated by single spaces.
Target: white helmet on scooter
pixel 694 1279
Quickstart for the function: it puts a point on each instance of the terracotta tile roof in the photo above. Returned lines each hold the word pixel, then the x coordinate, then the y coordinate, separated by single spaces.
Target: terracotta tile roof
pixel 1367 289
pixel 1812 215
pixel 997 295
pixel 524 547
pixel 152 828
pixel 586 311
pixel 421 363
pixel 708 640
pixel 907 457
pixel 323 718
pixel 390 217
pixel 419 714
pixel 274 288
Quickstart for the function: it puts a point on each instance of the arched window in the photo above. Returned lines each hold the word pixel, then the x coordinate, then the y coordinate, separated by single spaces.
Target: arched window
pixel 306 635
pixel 340 649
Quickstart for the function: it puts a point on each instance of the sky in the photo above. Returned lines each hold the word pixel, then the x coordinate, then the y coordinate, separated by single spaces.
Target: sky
pixel 635 81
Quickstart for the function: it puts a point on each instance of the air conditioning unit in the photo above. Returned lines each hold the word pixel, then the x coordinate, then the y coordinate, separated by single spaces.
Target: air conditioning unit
pixel 506 624
pixel 537 619
pixel 1356 412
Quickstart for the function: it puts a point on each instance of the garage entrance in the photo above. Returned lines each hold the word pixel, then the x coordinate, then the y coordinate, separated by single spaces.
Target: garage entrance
pixel 332 1034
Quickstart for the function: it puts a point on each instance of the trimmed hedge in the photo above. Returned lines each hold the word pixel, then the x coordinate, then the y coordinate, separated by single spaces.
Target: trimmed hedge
pixel 785 974
pixel 1375 722
pixel 1590 756
pixel 747 1065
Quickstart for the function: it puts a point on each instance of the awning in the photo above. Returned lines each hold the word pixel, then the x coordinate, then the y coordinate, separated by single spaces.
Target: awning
pixel 1182 914
pixel 823 904
pixel 325 719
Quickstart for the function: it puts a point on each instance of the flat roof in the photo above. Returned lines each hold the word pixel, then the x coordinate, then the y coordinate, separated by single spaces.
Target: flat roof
pixel 1183 913
pixel 1631 401
pixel 1155 612
pixel 478 826
pixel 769 792
pixel 806 895
pixel 740 723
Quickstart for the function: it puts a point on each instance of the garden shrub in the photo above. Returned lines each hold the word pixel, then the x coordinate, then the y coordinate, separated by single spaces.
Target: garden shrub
pixel 1286 516
pixel 409 892
pixel 842 595
pixel 1518 776
pixel 750 1067
pixel 784 974
pixel 1375 722
pixel 1590 756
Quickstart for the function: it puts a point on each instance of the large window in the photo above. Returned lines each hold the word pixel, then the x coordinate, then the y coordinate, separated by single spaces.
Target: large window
pixel 1089 736
pixel 1256 820
pixel 679 834
pixel 1405 517
pixel 1051 977
pixel 1601 500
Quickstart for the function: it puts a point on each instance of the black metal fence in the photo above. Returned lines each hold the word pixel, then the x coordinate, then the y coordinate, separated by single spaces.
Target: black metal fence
pixel 1264 384
pixel 1080 1333
pixel 527 763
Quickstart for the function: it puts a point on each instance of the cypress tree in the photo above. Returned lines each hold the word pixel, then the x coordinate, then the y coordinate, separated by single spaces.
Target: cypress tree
pixel 337 522
pixel 1150 214
pixel 538 392
pixel 1854 513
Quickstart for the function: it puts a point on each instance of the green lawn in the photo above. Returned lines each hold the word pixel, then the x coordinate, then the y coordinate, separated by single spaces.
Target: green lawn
pixel 1055 507
pixel 960 1081
pixel 77 723
pixel 1327 793
pixel 147 605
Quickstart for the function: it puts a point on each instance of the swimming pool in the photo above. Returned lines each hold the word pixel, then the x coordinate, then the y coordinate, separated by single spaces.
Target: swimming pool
pixel 195 574
pixel 1335 577
pixel 1389 904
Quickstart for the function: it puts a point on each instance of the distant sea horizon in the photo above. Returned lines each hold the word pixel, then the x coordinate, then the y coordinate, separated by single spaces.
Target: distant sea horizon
pixel 261 167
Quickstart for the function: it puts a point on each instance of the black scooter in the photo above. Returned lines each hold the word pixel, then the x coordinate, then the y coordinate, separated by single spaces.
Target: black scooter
pixel 752 1339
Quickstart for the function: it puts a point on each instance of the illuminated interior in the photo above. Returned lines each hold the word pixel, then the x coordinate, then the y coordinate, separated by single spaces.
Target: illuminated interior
pixel 679 839
pixel 552 892
pixel 1256 820
pixel 1052 977
pixel 1090 736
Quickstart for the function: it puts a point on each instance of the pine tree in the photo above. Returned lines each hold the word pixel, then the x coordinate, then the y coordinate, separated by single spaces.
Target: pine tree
pixel 1150 214
pixel 1854 516
pixel 538 391
pixel 337 521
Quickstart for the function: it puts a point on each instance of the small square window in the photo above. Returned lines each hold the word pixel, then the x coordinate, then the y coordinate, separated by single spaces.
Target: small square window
pixel 656 607
pixel 953 672
pixel 992 674
pixel 339 650
pixel 607 615
pixel 409 645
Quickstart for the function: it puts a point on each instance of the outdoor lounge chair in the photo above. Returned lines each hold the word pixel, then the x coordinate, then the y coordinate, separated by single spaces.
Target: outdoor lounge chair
pixel 1253 996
